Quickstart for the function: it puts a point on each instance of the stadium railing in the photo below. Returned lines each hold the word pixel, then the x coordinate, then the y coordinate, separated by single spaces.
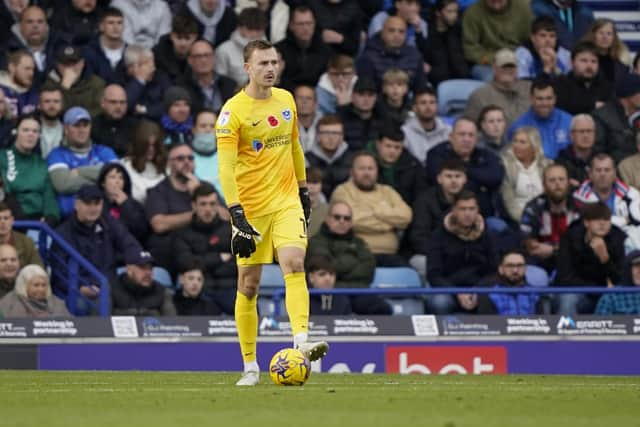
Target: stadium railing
pixel 68 271
pixel 278 294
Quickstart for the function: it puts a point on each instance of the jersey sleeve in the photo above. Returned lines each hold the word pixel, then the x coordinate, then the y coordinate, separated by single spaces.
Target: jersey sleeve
pixel 228 136
pixel 298 153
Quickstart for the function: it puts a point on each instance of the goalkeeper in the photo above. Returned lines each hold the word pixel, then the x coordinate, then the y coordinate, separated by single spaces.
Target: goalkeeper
pixel 262 172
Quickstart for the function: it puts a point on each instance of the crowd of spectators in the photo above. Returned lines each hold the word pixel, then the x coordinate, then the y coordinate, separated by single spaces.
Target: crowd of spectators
pixel 107 133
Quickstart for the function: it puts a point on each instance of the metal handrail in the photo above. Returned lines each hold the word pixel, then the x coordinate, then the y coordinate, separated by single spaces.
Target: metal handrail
pixel 75 261
pixel 278 294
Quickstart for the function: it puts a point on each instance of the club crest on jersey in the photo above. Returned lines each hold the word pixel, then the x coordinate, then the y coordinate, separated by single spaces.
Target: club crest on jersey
pixel 273 121
pixel 286 114
pixel 257 145
pixel 224 118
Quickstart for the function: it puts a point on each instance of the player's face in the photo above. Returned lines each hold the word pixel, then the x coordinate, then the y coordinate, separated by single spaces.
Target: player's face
pixel 262 67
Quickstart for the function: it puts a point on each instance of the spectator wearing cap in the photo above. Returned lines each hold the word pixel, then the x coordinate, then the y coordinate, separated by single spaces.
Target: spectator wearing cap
pixel 78 19
pixel 145 86
pixel 32 296
pixel 17 83
pixel 25 174
pixel 627 303
pixel 144 21
pixel 32 33
pixel 207 238
pixel 397 167
pixel 135 293
pixel 330 153
pixel 79 86
pixel 105 52
pixel 379 212
pixel 115 183
pixel 491 25
pixel 308 115
pixel 553 123
pixel 207 87
pixel 171 52
pixel 591 254
pixel 113 127
pixel 303 51
pixel 505 90
pixel 100 239
pixel 177 120
pixel 389 49
pixel 190 299
pixel 614 133
pixel 362 117
pixel 252 23
pixel 168 205
pixel 216 20
pixel 78 160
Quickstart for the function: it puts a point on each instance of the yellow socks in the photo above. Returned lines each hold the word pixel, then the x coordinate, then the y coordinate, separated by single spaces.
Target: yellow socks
pixel 297 302
pixel 246 315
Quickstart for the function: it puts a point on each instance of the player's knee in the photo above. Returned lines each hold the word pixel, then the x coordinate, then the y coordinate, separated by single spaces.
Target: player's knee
pixel 248 285
pixel 295 265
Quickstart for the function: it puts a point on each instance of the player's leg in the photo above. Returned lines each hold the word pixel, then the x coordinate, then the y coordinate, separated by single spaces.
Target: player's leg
pixel 246 316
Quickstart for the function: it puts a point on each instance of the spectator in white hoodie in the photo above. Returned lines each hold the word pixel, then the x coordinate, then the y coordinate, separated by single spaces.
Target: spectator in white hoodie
pixel 145 21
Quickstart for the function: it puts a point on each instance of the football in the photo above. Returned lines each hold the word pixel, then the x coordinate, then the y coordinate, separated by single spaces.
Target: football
pixel 289 367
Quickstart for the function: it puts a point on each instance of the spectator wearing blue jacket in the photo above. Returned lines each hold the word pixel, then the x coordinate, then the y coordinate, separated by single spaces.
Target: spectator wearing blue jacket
pixel 553 123
pixel 572 18
pixel 104 54
pixel 101 239
pixel 77 161
pixel 17 83
pixel 483 167
pixel 389 49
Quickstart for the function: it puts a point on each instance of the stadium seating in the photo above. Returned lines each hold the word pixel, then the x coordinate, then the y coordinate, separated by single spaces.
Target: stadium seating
pixel 453 95
pixel 401 278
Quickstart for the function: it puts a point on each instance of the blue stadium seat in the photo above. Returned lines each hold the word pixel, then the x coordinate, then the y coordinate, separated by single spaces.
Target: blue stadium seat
pixel 407 306
pixel 453 95
pixel 396 277
pixel 271 276
pixel 537 277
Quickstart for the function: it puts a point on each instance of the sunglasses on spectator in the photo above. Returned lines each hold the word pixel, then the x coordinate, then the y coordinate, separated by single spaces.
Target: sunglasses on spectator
pixel 183 158
pixel 337 217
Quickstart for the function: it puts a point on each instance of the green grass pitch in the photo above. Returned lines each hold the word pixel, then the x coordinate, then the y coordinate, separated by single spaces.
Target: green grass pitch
pixel 191 399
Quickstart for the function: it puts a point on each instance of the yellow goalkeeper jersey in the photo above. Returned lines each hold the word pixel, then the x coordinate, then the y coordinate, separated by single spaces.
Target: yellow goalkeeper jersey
pixel 259 152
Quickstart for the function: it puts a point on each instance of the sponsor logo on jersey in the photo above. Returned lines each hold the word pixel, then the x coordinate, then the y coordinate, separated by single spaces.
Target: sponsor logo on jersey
pixel 224 118
pixel 286 114
pixel 257 145
pixel 273 121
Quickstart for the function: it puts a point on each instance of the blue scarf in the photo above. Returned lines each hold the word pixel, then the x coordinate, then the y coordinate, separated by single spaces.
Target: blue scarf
pixel 171 126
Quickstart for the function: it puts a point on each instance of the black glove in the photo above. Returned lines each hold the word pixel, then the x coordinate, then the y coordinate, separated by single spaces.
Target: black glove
pixel 306 203
pixel 242 233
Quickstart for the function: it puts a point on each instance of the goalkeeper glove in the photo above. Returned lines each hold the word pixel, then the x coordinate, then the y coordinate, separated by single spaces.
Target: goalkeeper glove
pixel 306 204
pixel 242 233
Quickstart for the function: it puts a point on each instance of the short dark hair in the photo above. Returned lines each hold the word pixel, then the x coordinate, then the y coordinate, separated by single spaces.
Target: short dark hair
pixel 452 164
pixel 28 116
pixel 202 190
pixel 362 153
pixel 203 111
pixel 424 90
pixel 512 251
pixel 314 175
pixel 486 110
pixel 184 25
pixel 465 195
pixel 175 145
pixel 600 157
pixel 255 45
pixel 541 84
pixel 109 12
pixel 392 131
pixel 301 9
pixel 320 262
pixel 543 23
pixel 5 207
pixel 252 18
pixel 595 211
pixel 583 46
pixel 190 264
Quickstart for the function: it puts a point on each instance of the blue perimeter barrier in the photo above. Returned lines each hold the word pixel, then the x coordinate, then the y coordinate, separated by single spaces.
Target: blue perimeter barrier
pixel 278 294
pixel 73 265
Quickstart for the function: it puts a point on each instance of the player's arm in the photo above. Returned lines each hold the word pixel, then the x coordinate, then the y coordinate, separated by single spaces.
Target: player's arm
pixel 299 167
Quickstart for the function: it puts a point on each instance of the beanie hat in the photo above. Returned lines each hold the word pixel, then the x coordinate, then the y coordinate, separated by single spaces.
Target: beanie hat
pixel 174 94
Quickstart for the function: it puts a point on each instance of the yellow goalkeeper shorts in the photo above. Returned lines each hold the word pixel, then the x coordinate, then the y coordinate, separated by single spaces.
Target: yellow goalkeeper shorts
pixel 285 227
